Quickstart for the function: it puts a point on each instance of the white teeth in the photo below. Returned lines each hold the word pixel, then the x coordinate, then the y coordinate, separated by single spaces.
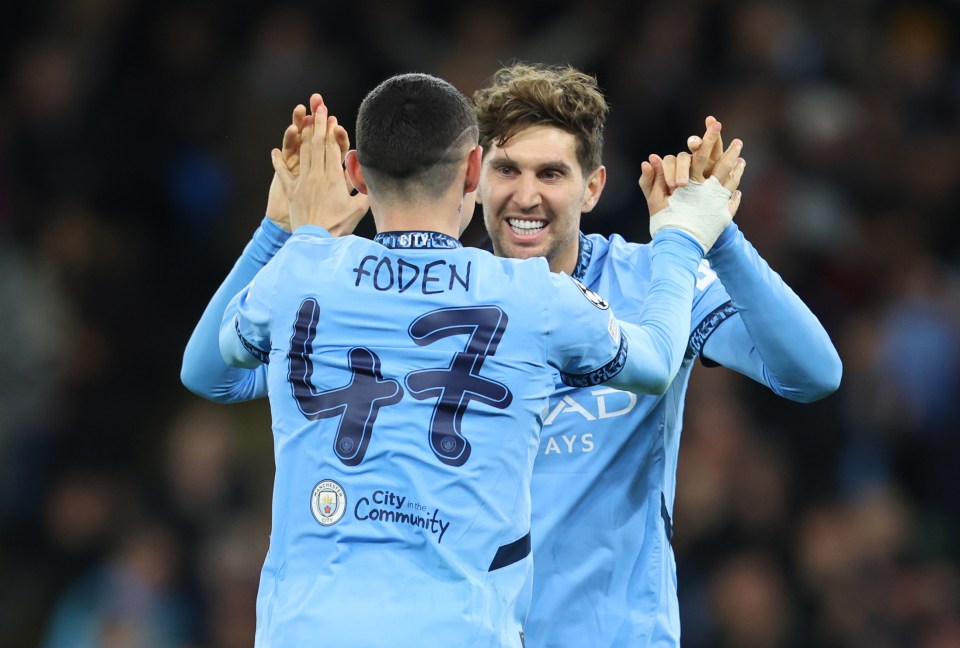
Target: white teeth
pixel 525 226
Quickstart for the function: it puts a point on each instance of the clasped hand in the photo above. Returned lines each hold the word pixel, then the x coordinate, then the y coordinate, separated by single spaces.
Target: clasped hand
pixel 314 188
pixel 696 193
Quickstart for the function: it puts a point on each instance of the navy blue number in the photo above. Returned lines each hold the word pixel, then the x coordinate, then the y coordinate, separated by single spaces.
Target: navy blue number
pixel 461 382
pixel 357 403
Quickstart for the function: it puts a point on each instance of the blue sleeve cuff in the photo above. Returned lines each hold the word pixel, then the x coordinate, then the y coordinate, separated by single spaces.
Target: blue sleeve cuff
pixel 727 236
pixel 273 231
pixel 678 236
pixel 267 239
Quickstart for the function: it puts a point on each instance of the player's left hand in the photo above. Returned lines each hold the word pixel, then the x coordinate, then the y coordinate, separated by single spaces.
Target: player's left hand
pixel 704 154
pixel 320 195
pixel 661 177
pixel 702 206
pixel 278 205
pixel 706 159
pixel 653 184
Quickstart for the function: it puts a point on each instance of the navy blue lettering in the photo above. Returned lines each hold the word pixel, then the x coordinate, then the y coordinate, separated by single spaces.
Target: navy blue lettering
pixel 357 403
pixel 359 269
pixel 428 279
pixel 401 264
pixel 454 276
pixel 402 275
pixel 460 383
pixel 384 261
pixel 433 524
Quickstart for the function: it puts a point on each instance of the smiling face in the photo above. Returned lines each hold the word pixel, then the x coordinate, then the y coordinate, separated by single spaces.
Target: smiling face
pixel 533 191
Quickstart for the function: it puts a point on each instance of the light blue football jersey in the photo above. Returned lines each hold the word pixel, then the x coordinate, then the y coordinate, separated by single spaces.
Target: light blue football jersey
pixel 606 574
pixel 408 378
pixel 604 482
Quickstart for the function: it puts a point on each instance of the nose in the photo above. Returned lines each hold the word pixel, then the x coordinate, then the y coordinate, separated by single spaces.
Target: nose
pixel 527 193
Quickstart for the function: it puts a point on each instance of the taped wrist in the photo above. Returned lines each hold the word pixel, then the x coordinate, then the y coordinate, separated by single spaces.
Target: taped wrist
pixel 699 209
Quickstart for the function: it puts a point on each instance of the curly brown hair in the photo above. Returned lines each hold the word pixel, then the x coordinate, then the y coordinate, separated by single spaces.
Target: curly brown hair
pixel 523 95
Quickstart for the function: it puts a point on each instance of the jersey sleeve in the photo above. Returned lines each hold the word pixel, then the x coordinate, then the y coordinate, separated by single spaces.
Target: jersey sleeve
pixel 770 335
pixel 203 370
pixel 712 307
pixel 585 342
pixel 646 356
pixel 245 339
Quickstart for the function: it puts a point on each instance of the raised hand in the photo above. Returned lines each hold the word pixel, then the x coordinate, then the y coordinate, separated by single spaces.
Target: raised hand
pixel 678 169
pixel 706 157
pixel 278 206
pixel 704 195
pixel 698 165
pixel 320 194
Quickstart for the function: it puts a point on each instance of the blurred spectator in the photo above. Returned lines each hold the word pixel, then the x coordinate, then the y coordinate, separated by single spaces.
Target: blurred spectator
pixel 130 601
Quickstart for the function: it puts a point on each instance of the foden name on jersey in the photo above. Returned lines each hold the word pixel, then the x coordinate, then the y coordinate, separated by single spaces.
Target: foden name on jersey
pixel 386 273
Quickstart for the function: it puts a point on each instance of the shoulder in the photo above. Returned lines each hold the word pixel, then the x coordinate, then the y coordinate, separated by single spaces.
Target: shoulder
pixel 604 251
pixel 619 248
pixel 615 257
pixel 315 240
pixel 315 235
pixel 536 266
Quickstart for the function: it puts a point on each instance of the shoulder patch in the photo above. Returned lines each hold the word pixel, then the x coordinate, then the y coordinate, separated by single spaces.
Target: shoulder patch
pixel 594 298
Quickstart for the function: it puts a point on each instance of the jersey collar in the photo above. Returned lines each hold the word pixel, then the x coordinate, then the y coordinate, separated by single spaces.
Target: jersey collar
pixel 583 258
pixel 417 240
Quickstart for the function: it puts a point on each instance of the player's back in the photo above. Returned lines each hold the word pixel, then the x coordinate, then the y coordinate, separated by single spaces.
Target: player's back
pixel 407 383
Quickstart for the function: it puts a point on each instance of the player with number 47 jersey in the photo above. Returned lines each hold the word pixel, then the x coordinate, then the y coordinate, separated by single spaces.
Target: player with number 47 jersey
pixel 407 389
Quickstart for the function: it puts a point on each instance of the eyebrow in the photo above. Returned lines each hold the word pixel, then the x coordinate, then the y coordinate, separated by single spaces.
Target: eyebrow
pixel 550 164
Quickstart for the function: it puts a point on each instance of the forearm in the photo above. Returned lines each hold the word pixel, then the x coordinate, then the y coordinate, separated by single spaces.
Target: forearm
pixel 204 371
pixel 657 342
pixel 798 360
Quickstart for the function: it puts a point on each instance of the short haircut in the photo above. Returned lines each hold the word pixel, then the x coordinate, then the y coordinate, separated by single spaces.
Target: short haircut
pixel 412 132
pixel 523 95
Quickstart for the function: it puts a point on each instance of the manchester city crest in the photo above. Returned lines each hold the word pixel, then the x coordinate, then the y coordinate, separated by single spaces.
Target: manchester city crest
pixel 328 502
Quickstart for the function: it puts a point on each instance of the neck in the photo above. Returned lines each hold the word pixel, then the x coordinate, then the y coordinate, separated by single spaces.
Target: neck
pixel 431 216
pixel 566 261
pixel 567 257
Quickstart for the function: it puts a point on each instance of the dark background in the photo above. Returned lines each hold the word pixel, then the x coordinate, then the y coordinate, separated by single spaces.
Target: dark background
pixel 134 165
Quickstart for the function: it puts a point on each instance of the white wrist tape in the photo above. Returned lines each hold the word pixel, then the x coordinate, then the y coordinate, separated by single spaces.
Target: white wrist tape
pixel 699 209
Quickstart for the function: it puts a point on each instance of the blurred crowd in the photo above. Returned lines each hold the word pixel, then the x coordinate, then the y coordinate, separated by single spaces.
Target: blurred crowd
pixel 134 165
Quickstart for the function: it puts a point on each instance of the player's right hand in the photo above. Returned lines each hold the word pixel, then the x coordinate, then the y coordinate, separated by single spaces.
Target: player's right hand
pixel 706 157
pixel 320 194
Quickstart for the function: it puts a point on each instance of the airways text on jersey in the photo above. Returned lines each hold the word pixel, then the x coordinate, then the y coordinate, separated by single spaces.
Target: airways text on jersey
pixel 584 405
pixel 429 277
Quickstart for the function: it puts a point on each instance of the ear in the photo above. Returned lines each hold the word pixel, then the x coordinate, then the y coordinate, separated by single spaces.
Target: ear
pixel 595 183
pixel 474 166
pixel 354 172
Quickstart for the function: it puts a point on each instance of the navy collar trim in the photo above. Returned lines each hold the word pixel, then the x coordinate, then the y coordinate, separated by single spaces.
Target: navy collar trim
pixel 417 240
pixel 583 257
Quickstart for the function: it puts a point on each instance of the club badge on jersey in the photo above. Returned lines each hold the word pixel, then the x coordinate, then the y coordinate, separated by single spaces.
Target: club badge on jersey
pixel 328 502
